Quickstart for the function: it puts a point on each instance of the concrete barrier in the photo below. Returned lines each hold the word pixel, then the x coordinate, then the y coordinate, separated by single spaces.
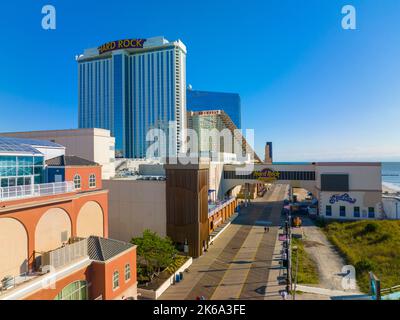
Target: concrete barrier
pixel 155 294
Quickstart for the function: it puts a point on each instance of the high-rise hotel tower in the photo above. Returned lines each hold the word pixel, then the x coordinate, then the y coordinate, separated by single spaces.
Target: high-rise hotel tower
pixel 133 85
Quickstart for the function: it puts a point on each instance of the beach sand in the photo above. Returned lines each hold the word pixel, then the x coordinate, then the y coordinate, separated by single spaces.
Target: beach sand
pixel 389 189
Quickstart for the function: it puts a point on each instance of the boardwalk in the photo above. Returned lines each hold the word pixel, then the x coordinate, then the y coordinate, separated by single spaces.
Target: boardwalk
pixel 237 265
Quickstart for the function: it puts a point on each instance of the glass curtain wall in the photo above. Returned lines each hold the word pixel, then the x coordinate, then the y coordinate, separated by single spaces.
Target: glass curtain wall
pixel 21 170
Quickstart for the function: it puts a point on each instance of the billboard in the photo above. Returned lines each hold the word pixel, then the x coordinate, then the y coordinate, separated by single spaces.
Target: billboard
pixel 121 44
pixel 334 182
pixel 267 175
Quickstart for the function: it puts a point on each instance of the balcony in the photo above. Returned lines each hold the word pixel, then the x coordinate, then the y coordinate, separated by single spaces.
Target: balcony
pixel 54 265
pixel 213 208
pixel 36 190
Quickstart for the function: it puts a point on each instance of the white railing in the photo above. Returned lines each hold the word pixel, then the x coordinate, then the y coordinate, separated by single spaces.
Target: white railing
pixel 220 206
pixel 36 190
pixel 50 261
pixel 11 282
pixel 65 255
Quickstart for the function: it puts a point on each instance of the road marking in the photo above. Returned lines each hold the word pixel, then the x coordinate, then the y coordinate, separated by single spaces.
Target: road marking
pixel 232 282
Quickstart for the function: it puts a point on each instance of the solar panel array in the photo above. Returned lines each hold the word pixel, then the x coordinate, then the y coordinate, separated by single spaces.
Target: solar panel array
pixel 24 145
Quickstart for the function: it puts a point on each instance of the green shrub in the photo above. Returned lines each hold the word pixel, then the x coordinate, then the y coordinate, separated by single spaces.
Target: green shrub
pixel 154 254
pixel 369 246
pixel 364 265
pixel 371 227
pixel 307 268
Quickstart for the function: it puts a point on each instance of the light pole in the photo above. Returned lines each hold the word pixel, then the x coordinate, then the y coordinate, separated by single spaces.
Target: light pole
pixel 288 257
pixel 297 271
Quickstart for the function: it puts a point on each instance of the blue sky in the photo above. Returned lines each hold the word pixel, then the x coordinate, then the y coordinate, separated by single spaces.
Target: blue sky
pixel 317 91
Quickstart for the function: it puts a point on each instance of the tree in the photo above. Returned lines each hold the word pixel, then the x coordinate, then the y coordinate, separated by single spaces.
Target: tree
pixel 154 253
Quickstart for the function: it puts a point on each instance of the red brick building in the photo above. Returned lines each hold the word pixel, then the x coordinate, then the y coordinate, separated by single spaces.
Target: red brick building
pixel 54 238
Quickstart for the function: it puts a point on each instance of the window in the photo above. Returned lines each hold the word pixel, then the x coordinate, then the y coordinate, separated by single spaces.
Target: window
pixel 328 211
pixel 356 212
pixel 77 181
pixel 371 212
pixel 115 280
pixel 12 182
pixel 4 183
pixel 127 272
pixel 342 211
pixel 92 181
pixel 20 181
pixel 74 291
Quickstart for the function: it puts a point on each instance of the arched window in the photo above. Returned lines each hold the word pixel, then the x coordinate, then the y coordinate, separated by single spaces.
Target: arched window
pixel 74 291
pixel 92 181
pixel 77 181
pixel 127 272
pixel 115 280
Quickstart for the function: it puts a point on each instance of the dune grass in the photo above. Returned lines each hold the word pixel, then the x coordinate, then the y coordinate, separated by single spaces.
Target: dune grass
pixel 307 269
pixel 369 246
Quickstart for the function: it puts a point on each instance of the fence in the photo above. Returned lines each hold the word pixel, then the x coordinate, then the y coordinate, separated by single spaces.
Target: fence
pixel 220 206
pixel 36 190
pixel 63 256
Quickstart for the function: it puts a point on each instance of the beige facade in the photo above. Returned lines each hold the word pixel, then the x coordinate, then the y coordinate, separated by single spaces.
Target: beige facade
pixel 366 176
pixel 90 220
pixel 362 200
pixel 92 144
pixel 52 230
pixel 391 205
pixel 216 172
pixel 13 247
pixel 134 206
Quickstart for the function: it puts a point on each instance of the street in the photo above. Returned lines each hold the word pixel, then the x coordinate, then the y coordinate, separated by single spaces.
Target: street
pixel 237 265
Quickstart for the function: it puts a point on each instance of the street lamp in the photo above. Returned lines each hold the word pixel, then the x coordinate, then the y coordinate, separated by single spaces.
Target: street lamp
pixel 288 257
pixel 297 271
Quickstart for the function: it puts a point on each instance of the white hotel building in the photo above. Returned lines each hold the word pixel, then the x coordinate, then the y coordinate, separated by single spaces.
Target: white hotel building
pixel 130 86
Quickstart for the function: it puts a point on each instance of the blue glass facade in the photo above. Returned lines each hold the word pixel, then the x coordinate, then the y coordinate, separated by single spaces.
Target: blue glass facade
pixel 95 94
pixel 119 106
pixel 205 100
pixel 21 170
pixel 129 93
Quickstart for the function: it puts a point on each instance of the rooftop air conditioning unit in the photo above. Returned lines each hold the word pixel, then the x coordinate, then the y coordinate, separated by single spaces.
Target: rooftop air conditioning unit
pixel 7 282
pixel 44 269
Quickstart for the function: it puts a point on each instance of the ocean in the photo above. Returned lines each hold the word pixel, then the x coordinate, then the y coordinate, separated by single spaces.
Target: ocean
pixel 391 174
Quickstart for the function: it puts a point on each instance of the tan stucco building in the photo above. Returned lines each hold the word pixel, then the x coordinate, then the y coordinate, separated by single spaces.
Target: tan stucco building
pixel 134 206
pixel 95 145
